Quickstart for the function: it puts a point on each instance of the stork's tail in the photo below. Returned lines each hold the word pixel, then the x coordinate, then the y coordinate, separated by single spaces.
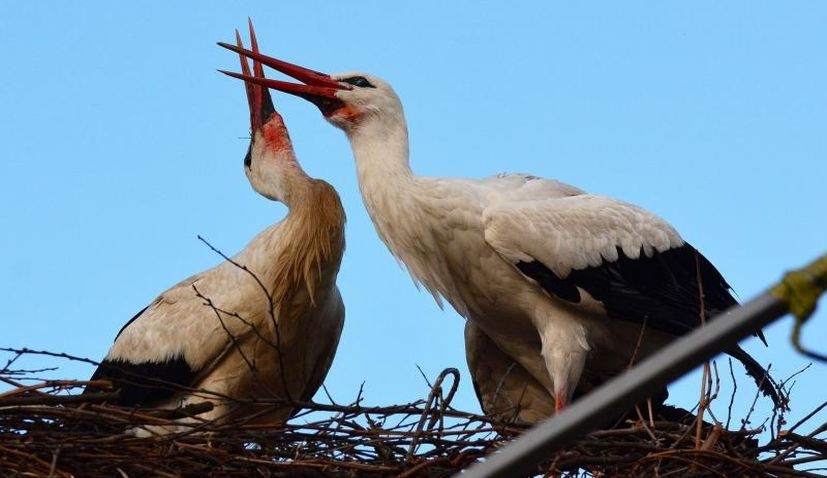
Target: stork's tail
pixel 761 376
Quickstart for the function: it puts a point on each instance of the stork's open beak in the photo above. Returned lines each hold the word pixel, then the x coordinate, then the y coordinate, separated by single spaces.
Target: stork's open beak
pixel 318 88
pixel 258 97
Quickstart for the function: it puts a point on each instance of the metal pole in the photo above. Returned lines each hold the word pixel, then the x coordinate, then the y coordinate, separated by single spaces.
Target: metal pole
pixel 523 456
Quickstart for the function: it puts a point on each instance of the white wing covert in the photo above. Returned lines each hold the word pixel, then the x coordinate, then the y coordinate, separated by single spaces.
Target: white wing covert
pixel 169 343
pixel 575 232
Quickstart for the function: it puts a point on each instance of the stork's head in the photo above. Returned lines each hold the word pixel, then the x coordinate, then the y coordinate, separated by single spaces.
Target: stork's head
pixel 270 162
pixel 351 101
pixel 365 99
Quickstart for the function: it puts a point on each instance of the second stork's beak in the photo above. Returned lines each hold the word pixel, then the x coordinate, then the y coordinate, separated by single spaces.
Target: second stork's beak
pixel 318 88
pixel 258 97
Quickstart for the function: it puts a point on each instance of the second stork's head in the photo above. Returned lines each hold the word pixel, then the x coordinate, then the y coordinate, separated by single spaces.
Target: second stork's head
pixel 357 103
pixel 270 163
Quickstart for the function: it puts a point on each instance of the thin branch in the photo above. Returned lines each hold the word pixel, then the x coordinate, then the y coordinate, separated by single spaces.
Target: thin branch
pixel 271 309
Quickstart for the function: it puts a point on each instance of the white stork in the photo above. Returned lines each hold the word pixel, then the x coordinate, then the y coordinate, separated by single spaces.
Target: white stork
pixel 265 324
pixel 560 280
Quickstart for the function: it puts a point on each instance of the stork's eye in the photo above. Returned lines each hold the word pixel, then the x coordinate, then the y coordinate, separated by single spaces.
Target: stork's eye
pixel 359 81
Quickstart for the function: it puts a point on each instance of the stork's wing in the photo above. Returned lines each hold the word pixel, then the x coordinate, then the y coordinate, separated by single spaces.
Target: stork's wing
pixel 165 347
pixel 630 260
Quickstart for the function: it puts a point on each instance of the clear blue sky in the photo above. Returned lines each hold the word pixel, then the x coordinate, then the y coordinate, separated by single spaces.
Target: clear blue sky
pixel 120 143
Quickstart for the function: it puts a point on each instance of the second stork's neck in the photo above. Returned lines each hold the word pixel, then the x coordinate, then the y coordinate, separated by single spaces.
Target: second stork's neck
pixel 381 154
pixel 305 249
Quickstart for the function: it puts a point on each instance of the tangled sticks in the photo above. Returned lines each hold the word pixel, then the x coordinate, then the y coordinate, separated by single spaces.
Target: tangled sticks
pixel 48 429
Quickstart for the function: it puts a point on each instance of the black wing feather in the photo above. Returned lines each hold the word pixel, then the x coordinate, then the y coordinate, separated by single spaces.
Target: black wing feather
pixel 663 290
pixel 145 383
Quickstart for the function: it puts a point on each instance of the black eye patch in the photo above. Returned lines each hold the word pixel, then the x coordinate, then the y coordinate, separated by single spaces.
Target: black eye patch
pixel 359 81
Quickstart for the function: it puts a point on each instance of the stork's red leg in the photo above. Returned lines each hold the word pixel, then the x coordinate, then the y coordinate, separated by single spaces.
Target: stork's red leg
pixel 560 402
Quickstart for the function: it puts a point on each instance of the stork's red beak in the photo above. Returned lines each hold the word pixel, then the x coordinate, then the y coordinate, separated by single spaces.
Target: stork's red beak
pixel 318 88
pixel 258 97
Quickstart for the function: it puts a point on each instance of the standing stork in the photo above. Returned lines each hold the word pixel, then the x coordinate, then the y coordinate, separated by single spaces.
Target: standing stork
pixel 562 281
pixel 264 324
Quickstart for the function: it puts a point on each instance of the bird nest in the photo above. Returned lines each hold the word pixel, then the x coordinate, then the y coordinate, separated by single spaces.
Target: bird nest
pixel 49 429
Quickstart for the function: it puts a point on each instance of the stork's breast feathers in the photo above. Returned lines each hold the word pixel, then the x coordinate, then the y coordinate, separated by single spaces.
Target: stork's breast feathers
pixel 575 232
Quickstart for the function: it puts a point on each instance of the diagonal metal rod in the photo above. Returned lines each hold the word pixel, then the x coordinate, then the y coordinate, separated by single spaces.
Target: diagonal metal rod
pixel 524 455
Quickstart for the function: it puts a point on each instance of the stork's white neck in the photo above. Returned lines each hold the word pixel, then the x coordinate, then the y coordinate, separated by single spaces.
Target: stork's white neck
pixel 382 149
pixel 394 198
pixel 381 154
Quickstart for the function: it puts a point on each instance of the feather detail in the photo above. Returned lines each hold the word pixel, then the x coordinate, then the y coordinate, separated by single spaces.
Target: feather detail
pixel 315 232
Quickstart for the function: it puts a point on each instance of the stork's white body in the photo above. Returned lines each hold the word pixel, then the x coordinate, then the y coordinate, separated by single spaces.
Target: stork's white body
pixel 455 236
pixel 523 257
pixel 237 348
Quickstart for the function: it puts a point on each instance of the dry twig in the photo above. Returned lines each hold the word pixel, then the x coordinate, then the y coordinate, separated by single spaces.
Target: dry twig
pixel 55 431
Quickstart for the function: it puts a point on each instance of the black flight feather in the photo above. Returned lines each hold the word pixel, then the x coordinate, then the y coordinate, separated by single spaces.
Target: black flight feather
pixel 663 290
pixel 145 383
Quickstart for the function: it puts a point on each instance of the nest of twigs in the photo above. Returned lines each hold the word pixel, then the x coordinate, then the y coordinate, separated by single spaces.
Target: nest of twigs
pixel 48 429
